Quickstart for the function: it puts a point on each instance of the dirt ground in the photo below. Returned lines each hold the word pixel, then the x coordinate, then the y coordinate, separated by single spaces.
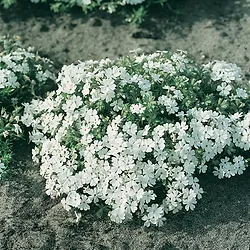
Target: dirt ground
pixel 208 30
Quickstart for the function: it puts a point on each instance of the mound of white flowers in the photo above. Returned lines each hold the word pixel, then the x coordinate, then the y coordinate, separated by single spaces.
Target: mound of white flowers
pixel 135 133
pixel 23 76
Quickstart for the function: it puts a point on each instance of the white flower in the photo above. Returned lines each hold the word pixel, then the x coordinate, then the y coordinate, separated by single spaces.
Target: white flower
pixel 107 89
pixel 154 216
pixel 117 214
pixel 224 89
pixel 73 199
pixel 228 169
pixel 92 118
pixel 85 201
pixel 86 89
pixel 236 116
pixel 113 72
pixel 169 103
pixel 137 108
pixel 202 168
pixel 241 93
pixel 180 60
pixel 239 164
pixel 189 199
pixel 117 104
pixel 130 128
pixel 86 2
pixel 72 103
pixel 227 72
pixel 133 2
pixel 67 85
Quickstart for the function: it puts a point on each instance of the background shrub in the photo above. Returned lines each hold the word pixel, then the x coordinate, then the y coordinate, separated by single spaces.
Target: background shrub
pixel 135 10
pixel 24 75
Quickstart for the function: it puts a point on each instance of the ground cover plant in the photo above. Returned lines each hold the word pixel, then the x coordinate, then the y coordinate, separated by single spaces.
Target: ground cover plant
pixel 134 10
pixel 24 75
pixel 133 135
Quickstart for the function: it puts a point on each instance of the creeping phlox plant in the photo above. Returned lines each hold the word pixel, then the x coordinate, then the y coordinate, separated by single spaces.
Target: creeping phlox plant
pixel 134 134
pixel 23 76
pixel 138 8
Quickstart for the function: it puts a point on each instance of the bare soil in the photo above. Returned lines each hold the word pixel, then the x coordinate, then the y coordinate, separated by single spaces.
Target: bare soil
pixel 207 30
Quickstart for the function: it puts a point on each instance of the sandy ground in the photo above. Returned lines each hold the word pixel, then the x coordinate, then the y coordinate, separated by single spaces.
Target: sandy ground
pixel 208 30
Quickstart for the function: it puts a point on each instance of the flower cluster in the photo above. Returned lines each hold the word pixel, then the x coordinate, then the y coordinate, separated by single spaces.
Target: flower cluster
pixel 23 73
pixel 23 76
pixel 134 134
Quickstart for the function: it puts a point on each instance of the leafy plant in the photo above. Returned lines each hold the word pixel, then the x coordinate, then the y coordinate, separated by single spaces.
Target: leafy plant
pixel 24 75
